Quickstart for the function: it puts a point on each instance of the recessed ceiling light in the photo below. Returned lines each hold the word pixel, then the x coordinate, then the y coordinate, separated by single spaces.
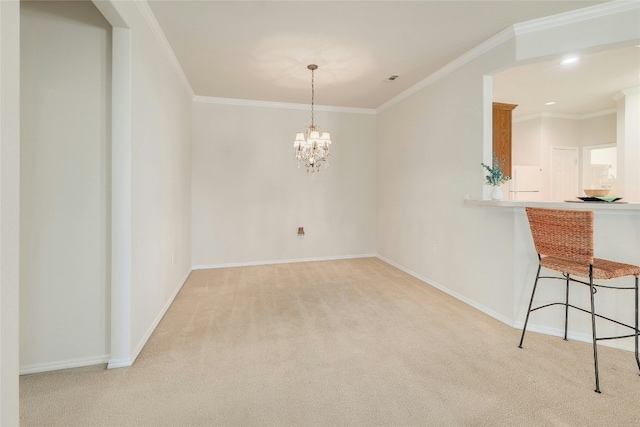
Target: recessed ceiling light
pixel 550 103
pixel 570 60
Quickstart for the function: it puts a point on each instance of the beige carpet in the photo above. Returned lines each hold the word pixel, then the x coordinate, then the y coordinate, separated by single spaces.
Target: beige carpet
pixel 351 342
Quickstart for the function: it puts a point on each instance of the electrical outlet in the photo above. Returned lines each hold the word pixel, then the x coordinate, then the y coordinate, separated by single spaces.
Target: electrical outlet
pixel 433 248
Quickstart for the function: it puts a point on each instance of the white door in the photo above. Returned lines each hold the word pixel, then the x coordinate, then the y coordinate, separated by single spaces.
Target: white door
pixel 564 173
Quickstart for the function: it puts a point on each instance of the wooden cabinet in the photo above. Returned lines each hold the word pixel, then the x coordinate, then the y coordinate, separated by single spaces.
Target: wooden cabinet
pixel 502 134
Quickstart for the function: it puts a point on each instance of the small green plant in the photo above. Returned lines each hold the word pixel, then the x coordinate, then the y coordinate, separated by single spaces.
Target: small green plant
pixel 495 176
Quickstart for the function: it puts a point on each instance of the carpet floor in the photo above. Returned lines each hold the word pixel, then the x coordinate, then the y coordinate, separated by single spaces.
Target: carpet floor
pixel 348 342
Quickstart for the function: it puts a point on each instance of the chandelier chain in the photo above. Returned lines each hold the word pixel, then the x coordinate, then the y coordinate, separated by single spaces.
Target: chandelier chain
pixel 313 95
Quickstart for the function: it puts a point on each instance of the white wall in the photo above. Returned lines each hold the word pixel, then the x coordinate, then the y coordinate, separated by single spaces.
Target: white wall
pixel 598 130
pixel 525 140
pixel 249 196
pixel 430 147
pixel 65 109
pixel 9 209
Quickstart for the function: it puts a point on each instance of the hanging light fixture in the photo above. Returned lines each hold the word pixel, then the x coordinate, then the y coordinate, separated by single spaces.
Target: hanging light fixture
pixel 312 146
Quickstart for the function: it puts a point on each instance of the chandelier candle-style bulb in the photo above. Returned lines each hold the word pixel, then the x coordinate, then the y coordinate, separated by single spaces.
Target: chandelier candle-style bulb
pixel 312 146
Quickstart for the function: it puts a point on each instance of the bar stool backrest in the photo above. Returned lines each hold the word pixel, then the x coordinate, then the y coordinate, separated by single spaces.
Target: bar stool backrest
pixel 565 234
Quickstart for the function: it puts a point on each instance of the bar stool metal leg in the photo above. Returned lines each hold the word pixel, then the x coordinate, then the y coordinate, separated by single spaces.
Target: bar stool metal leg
pixel 593 330
pixel 526 320
pixel 636 324
pixel 566 309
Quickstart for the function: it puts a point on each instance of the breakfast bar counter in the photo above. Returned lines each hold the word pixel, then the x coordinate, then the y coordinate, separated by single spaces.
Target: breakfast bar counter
pixel 594 206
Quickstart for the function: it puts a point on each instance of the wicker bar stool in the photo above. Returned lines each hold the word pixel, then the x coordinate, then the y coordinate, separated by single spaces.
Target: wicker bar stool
pixel 564 242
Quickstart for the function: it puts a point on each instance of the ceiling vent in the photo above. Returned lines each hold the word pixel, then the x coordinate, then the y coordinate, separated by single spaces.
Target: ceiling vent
pixel 392 77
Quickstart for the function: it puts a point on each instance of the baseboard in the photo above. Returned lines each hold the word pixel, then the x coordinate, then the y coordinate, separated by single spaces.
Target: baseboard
pixel 282 261
pixel 64 364
pixel 136 351
pixel 448 291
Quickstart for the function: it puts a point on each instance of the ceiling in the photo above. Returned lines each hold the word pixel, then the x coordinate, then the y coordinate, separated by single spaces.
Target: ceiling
pixel 259 50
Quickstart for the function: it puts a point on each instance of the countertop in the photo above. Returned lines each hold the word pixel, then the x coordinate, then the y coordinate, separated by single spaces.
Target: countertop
pixel 592 206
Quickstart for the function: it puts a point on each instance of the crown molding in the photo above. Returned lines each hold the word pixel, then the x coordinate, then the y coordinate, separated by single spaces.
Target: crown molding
pixel 584 14
pixel 152 22
pixel 283 105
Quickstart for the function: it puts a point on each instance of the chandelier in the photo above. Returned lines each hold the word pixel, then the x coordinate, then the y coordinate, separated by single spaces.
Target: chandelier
pixel 312 146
